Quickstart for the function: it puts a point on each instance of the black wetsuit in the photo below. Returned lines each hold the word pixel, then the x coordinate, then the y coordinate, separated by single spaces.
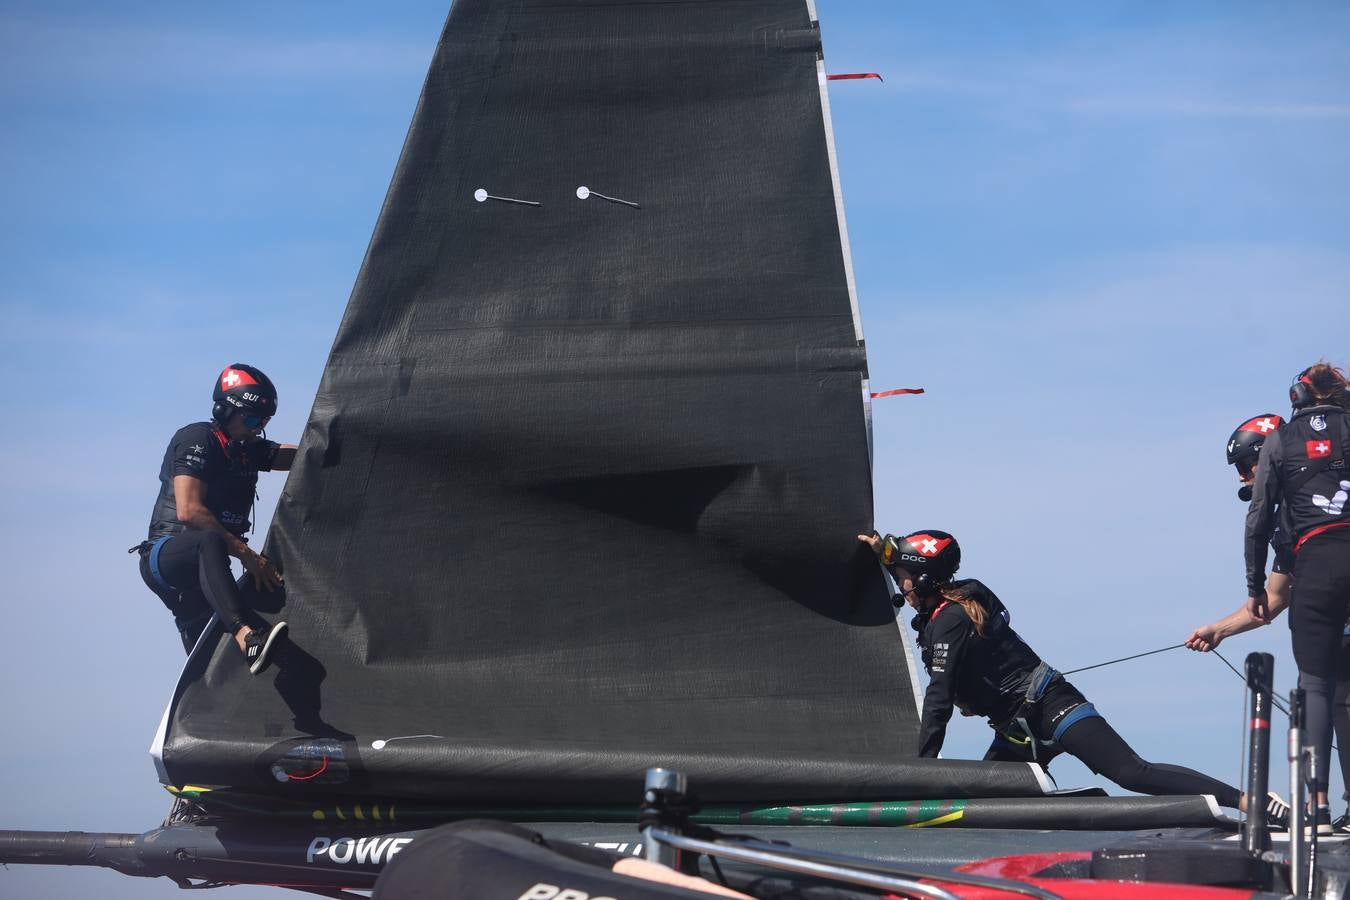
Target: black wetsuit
pixel 1036 714
pixel 188 568
pixel 1305 475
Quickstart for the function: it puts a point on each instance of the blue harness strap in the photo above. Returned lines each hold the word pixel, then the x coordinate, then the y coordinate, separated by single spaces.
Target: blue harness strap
pixel 1077 714
pixel 1039 682
pixel 154 564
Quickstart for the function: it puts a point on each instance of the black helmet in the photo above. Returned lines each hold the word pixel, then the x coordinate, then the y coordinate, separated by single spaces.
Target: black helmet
pixel 1246 443
pixel 932 557
pixel 242 388
pixel 1301 391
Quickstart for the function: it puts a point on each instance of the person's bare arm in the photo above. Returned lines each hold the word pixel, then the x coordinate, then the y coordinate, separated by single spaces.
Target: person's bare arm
pixel 189 495
pixel 1207 637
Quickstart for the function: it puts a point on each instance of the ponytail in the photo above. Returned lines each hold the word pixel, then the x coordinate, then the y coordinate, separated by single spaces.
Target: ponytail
pixel 1328 384
pixel 969 604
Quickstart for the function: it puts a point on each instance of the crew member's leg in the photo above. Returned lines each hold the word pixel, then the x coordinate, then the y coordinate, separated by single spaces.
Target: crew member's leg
pixel 196 559
pixel 191 613
pixel 1317 617
pixel 1105 752
pixel 1340 720
pixel 1064 716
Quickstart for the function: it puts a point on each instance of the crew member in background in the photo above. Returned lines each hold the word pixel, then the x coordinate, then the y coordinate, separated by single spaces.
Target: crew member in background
pixel 207 487
pixel 1244 449
pixel 977 662
pixel 1303 474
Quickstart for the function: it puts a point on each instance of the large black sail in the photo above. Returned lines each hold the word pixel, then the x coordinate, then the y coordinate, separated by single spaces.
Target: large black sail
pixel 579 490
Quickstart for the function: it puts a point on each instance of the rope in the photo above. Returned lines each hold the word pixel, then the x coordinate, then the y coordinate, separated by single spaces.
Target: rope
pixel 1274 697
pixel 1124 659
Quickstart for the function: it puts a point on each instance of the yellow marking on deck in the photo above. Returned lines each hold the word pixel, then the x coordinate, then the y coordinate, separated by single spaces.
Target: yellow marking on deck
pixel 940 820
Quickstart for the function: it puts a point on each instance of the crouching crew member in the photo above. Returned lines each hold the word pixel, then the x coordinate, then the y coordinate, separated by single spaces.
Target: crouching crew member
pixel 977 662
pixel 207 486
pixel 1303 475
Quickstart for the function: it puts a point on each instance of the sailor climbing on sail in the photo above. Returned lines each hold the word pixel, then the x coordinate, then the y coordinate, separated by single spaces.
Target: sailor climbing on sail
pixel 1243 451
pixel 1304 473
pixel 976 661
pixel 207 484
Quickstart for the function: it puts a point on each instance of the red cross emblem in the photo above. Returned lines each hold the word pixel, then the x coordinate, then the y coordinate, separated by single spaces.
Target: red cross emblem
pixel 233 378
pixel 927 545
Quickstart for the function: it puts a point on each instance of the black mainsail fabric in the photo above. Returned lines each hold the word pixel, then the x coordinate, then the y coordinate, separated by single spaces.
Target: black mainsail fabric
pixel 579 492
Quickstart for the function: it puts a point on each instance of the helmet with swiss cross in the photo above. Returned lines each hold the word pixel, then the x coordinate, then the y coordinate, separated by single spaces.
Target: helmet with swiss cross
pixel 1246 442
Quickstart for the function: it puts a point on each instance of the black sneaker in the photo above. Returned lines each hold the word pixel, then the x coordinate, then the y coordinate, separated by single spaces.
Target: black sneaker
pixel 1322 819
pixel 1341 824
pixel 1277 812
pixel 259 643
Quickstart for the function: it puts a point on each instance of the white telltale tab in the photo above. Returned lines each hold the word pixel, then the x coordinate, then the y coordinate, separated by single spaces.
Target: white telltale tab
pixel 481 195
pixel 583 192
pixel 381 743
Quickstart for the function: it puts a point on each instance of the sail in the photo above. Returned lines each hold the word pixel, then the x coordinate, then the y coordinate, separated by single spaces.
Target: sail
pixel 579 490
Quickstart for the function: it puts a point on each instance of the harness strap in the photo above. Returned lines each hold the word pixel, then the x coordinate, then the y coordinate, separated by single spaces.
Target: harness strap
pixel 1077 714
pixel 154 564
pixel 1039 683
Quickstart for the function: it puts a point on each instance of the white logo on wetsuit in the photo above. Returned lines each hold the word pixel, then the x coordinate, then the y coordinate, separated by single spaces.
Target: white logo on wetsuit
pixel 1318 423
pixel 1333 506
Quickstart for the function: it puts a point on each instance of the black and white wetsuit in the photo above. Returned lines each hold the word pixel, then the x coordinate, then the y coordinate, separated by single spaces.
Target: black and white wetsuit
pixel 188 568
pixel 997 675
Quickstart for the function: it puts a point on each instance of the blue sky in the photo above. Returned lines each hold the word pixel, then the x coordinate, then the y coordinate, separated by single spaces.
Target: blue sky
pixel 1099 236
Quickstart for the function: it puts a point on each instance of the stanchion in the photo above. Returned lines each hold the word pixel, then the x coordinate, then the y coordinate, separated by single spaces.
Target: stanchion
pixel 1260 678
pixel 1298 868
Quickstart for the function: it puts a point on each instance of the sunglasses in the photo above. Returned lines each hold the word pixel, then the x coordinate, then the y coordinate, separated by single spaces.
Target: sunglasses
pixel 254 421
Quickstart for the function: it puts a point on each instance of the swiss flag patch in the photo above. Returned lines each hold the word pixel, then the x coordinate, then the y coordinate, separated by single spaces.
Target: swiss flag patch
pixel 1262 425
pixel 1318 449
pixel 927 545
pixel 233 378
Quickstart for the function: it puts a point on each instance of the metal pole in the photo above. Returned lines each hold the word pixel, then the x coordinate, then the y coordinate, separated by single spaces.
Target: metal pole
pixel 1309 770
pixel 659 787
pixel 1297 798
pixel 1260 677
pixel 898 886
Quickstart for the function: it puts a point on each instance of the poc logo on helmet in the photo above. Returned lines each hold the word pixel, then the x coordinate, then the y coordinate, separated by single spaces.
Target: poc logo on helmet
pixel 912 558
pixel 543 891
